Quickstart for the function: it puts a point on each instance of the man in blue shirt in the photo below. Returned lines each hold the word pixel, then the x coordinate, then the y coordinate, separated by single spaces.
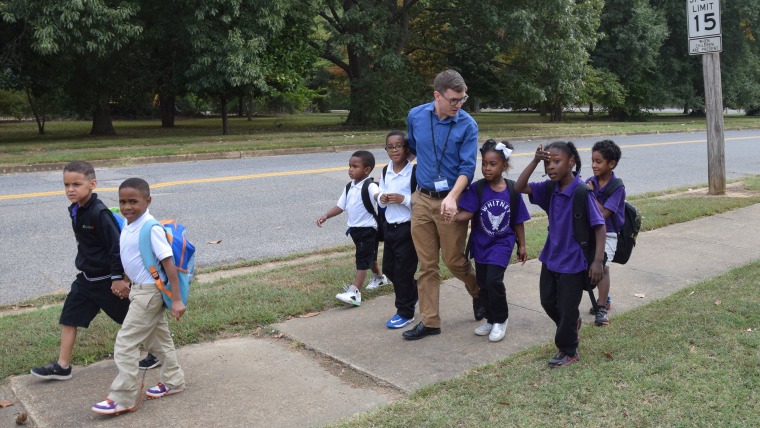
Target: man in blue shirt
pixel 444 138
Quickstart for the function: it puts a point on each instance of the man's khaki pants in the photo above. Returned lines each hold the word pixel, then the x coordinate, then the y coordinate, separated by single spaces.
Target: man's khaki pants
pixel 145 323
pixel 432 237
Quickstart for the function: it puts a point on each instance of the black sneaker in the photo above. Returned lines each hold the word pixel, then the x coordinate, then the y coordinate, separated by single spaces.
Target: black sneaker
pixel 478 310
pixel 149 362
pixel 52 371
pixel 562 359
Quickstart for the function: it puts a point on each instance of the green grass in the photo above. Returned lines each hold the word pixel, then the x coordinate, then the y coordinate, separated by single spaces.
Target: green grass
pixel 247 304
pixel 69 140
pixel 679 361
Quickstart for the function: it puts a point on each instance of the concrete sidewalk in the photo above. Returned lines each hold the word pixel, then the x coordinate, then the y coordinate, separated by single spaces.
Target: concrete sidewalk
pixel 359 364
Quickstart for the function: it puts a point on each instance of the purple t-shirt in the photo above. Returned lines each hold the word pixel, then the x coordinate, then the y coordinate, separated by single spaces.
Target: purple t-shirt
pixel 562 253
pixel 615 203
pixel 493 238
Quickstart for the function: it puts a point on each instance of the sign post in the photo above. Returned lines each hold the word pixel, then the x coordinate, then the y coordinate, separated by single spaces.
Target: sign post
pixel 705 38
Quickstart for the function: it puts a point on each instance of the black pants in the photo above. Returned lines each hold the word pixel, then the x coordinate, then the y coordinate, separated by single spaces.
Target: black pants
pixel 400 265
pixel 561 294
pixel 493 295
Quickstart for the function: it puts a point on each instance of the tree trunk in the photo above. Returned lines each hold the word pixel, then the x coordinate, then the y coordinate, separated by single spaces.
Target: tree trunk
pixel 40 118
pixel 590 109
pixel 475 104
pixel 542 109
pixel 167 104
pixel 686 108
pixel 249 107
pixel 101 120
pixel 556 112
pixel 225 125
pixel 240 106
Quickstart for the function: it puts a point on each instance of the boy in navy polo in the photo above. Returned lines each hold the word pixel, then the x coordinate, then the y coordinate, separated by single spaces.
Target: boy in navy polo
pixel 565 272
pixel 361 224
pixel 100 283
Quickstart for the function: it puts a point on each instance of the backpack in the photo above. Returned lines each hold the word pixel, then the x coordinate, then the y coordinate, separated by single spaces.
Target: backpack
pixel 183 253
pixel 480 186
pixel 629 230
pixel 582 230
pixel 115 213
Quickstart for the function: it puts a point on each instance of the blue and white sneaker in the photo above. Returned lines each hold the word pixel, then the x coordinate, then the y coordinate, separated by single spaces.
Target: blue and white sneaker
pixel 398 322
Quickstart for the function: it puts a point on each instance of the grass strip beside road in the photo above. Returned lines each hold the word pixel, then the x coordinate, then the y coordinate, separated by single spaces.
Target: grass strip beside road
pixel 69 140
pixel 247 304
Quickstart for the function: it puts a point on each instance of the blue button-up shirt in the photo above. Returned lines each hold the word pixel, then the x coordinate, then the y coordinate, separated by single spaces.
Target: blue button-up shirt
pixel 562 253
pixel 461 152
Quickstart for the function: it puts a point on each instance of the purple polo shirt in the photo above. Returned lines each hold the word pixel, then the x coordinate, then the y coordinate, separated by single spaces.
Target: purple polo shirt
pixel 616 203
pixel 561 253
pixel 493 238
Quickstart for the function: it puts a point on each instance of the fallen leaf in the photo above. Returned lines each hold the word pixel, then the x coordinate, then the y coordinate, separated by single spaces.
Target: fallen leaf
pixel 535 385
pixel 503 403
pixel 6 403
pixel 717 302
pixel 277 336
pixel 215 242
pixel 747 329
pixel 21 418
pixel 691 293
pixel 640 295
pixel 309 315
pixel 609 355
pixel 692 349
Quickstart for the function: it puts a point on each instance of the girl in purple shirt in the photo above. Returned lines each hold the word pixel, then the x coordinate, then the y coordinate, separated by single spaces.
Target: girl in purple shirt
pixel 493 235
pixel 565 271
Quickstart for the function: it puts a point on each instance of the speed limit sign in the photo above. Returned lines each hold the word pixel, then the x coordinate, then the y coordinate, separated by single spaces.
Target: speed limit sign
pixel 704 26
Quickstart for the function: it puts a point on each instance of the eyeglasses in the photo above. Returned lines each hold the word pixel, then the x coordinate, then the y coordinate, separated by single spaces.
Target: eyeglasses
pixel 394 148
pixel 455 101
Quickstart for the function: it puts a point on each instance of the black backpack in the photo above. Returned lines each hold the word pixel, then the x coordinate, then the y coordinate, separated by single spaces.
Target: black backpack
pixel 629 231
pixel 480 186
pixel 584 233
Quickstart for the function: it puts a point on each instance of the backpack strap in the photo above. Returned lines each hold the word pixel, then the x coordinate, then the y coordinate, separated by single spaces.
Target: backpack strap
pixel 612 186
pixel 480 186
pixel 151 262
pixel 412 181
pixel 367 201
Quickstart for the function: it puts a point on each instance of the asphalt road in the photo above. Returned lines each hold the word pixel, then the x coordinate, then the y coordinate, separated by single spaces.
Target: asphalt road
pixel 265 207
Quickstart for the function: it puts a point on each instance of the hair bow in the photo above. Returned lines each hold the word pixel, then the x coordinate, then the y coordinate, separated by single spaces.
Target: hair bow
pixel 506 150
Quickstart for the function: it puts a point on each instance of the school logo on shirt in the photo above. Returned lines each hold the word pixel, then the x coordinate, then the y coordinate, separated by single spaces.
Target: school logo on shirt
pixel 494 217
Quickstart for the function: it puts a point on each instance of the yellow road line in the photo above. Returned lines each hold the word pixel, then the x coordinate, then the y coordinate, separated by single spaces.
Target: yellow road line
pixel 316 171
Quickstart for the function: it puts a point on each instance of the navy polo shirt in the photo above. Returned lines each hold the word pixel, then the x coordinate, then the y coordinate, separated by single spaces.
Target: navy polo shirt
pixel 561 253
pixel 457 134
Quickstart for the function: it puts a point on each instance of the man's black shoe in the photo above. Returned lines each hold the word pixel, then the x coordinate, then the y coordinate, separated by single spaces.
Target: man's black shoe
pixel 419 331
pixel 478 310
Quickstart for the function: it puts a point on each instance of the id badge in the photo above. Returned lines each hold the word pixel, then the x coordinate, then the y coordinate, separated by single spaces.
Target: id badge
pixel 441 185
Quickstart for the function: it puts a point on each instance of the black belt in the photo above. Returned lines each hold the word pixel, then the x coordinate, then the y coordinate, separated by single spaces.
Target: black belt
pixel 433 194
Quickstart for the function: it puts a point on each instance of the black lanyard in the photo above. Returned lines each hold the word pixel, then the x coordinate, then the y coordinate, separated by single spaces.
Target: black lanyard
pixel 445 144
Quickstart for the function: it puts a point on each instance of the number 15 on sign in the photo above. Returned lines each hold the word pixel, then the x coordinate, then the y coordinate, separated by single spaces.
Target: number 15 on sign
pixel 704 18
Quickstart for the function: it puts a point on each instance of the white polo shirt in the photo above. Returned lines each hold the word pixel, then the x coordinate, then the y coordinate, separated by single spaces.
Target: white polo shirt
pixel 352 205
pixel 129 245
pixel 400 183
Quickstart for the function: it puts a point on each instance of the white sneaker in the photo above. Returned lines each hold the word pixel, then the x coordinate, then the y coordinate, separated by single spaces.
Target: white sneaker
pixel 376 282
pixel 484 329
pixel 350 297
pixel 498 331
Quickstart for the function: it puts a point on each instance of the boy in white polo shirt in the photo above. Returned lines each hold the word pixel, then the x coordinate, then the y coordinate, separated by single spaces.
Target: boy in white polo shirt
pixel 361 226
pixel 146 321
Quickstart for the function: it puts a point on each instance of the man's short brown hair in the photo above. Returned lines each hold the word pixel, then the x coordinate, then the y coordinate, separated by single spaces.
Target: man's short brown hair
pixel 449 79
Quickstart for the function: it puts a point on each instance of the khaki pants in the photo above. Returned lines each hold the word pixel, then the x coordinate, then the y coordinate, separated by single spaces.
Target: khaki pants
pixel 432 237
pixel 145 323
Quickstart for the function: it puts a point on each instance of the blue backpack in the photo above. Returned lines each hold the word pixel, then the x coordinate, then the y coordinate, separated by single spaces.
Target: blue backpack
pixel 184 259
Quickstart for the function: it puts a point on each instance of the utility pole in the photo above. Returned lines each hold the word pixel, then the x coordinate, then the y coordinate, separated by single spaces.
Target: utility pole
pixel 705 38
